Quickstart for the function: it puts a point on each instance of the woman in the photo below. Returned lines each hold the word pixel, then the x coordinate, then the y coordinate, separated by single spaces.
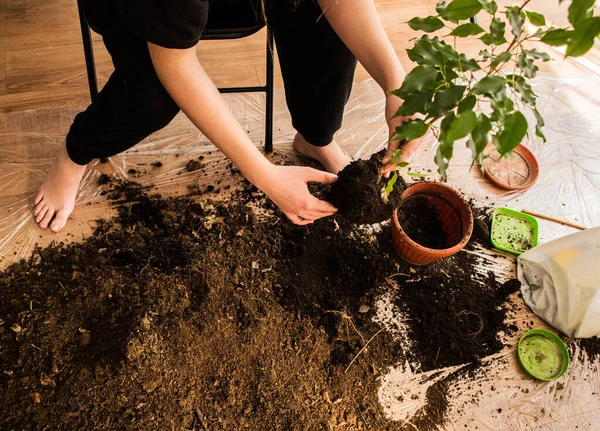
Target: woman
pixel 157 73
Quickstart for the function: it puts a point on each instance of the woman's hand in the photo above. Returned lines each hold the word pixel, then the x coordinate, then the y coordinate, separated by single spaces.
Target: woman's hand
pixel 391 107
pixel 287 187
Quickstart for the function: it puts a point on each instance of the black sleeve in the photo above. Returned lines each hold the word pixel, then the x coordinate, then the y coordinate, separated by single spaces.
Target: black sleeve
pixel 168 23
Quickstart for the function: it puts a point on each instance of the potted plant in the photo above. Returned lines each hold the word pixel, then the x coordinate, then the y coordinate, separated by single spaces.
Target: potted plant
pixel 481 99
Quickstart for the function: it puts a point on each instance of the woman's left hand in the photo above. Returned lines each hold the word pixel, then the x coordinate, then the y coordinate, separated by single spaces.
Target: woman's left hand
pixel 408 148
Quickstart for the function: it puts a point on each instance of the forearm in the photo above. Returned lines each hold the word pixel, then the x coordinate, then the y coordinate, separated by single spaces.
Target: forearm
pixel 194 92
pixel 357 23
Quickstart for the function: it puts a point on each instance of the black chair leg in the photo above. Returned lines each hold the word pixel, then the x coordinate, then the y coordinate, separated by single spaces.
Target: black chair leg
pixel 89 52
pixel 269 94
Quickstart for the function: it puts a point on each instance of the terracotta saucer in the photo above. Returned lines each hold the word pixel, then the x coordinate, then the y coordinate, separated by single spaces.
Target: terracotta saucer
pixel 517 173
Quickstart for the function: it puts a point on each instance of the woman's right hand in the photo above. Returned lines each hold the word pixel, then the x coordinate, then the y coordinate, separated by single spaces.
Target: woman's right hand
pixel 287 187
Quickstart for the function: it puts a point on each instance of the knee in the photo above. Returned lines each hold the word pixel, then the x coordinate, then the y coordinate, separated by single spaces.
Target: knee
pixel 156 108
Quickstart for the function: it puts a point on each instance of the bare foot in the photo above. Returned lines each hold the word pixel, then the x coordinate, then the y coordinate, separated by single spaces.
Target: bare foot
pixel 55 201
pixel 331 156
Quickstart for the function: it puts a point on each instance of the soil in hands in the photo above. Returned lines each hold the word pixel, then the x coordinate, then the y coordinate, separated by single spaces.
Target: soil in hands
pixel 194 314
pixel 357 194
pixel 420 222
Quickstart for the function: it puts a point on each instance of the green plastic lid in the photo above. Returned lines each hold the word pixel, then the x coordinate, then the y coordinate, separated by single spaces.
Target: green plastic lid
pixel 543 355
pixel 513 231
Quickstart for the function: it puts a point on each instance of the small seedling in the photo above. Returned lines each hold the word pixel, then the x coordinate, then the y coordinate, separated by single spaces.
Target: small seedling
pixel 395 160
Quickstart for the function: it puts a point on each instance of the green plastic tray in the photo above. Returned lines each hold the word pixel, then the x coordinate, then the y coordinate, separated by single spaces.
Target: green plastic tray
pixel 543 355
pixel 513 231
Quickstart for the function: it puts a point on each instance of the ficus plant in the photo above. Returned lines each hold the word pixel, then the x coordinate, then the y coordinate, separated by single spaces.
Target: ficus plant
pixel 482 98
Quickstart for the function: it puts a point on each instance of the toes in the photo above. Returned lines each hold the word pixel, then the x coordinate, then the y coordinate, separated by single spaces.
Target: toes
pixel 38 207
pixel 41 213
pixel 47 217
pixel 38 197
pixel 60 220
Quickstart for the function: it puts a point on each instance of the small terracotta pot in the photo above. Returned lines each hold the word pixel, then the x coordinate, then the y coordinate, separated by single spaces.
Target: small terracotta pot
pixel 455 217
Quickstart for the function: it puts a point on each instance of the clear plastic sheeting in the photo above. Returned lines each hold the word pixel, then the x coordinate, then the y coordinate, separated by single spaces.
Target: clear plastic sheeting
pixel 500 396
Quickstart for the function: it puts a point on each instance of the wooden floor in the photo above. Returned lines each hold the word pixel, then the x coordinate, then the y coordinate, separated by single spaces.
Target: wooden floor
pixel 42 64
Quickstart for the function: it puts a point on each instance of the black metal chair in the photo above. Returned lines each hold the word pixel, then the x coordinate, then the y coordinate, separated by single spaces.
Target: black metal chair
pixel 245 25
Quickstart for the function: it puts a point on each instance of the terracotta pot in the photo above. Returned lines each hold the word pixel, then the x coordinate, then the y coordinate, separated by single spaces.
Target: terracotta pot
pixel 455 217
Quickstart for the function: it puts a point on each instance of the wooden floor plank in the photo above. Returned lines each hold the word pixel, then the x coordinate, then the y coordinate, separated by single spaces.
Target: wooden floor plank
pixel 2 72
pixel 43 61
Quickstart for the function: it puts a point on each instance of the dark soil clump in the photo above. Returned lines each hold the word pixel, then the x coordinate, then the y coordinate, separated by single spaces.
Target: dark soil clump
pixel 420 222
pixel 193 165
pixel 591 346
pixel 357 194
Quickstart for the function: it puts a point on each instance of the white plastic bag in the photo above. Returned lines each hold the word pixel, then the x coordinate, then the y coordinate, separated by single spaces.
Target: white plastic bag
pixel 561 282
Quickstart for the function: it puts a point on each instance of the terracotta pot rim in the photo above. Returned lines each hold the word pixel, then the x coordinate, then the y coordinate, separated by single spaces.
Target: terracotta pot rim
pixel 443 252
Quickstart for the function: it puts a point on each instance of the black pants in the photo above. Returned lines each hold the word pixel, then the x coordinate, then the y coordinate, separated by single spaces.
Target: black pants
pixel 317 70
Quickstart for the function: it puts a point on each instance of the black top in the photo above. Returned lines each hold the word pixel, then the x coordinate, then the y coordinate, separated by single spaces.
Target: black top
pixel 180 23
pixel 168 23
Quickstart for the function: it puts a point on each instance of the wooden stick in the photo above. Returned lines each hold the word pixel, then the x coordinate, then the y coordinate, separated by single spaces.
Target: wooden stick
pixel 554 219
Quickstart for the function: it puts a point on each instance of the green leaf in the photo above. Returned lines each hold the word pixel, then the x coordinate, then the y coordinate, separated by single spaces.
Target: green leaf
pixel 486 39
pixel 489 6
pixel 501 58
pixel 527 66
pixel 390 184
pixel 409 130
pixel 415 102
pixel 523 87
pixel 485 54
pixel 396 156
pixel 534 53
pixel 515 129
pixel 465 30
pixel 583 36
pixel 536 19
pixel 423 52
pixel 445 100
pixel 580 10
pixel 433 52
pixel 516 18
pixel 417 174
pixel 461 126
pixel 418 79
pixel 468 64
pixel 429 24
pixel 479 136
pixel 441 7
pixel 489 85
pixel 446 147
pixel 461 9
pixel 502 105
pixel 539 125
pixel 497 30
pixel 467 104
pixel 557 37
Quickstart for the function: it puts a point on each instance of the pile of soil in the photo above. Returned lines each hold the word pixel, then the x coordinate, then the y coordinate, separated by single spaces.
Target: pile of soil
pixel 194 315
pixel 420 222
pixel 183 313
pixel 357 194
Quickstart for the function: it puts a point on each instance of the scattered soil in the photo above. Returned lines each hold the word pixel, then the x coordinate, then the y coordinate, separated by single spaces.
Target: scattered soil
pixel 157 164
pixel 357 194
pixel 183 313
pixel 193 165
pixel 591 346
pixel 420 222
pixel 455 314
